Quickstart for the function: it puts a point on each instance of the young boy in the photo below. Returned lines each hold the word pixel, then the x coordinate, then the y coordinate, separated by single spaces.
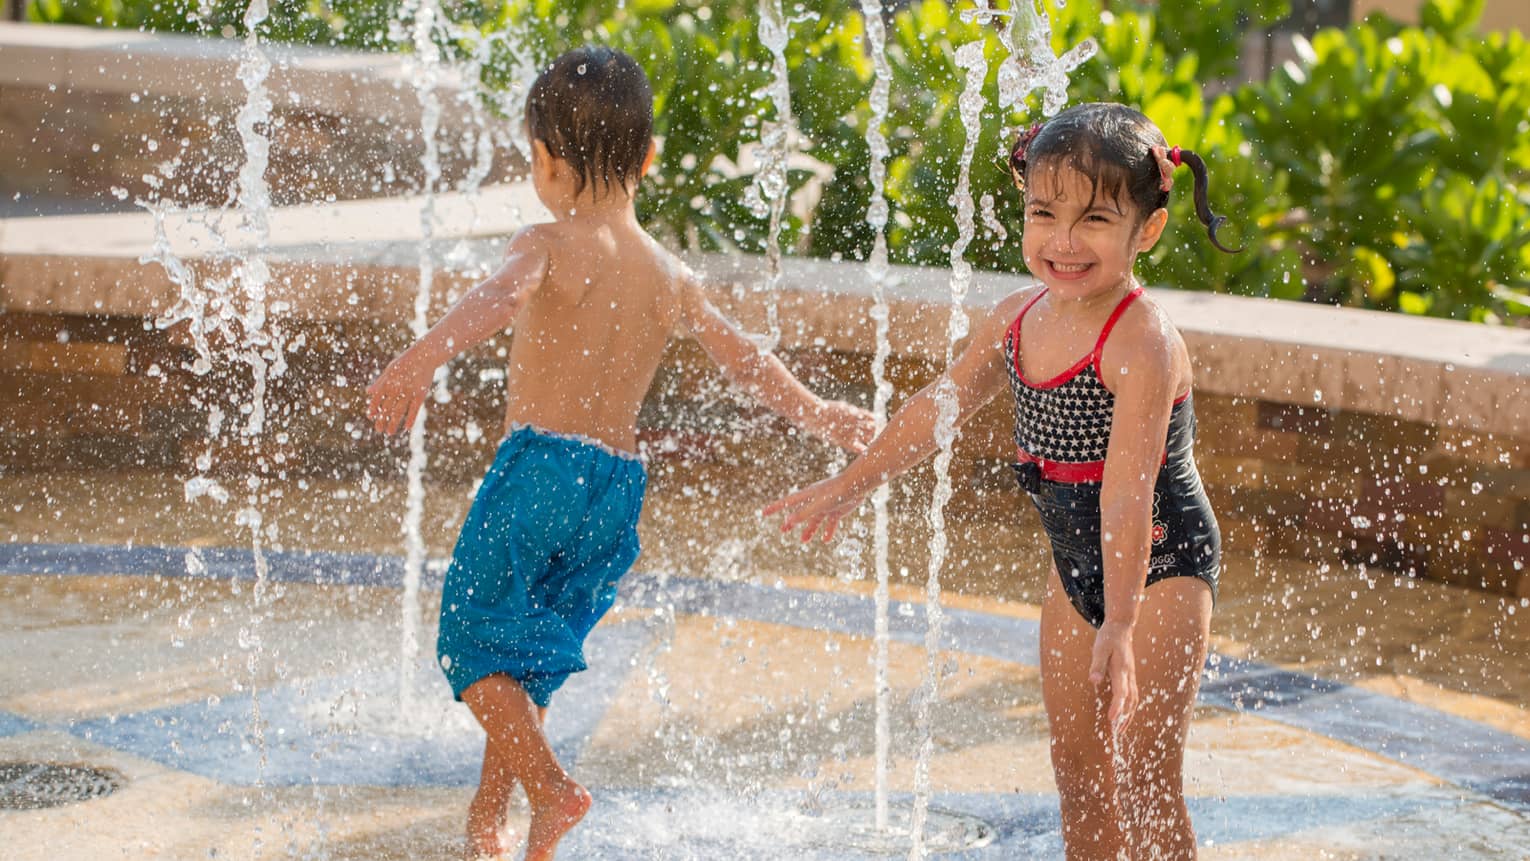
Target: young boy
pixel 594 300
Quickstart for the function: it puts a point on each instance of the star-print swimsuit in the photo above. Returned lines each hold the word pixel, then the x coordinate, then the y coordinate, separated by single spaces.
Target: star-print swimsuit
pixel 1062 432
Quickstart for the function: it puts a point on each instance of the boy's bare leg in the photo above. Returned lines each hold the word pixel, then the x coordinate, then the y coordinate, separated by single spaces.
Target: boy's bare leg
pixel 518 751
pixel 490 808
pixel 490 805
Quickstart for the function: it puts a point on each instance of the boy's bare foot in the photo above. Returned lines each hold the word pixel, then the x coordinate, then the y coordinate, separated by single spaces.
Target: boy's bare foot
pixel 486 819
pixel 552 815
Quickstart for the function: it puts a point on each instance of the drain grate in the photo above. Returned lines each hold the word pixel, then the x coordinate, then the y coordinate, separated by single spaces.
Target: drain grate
pixel 36 785
pixel 852 826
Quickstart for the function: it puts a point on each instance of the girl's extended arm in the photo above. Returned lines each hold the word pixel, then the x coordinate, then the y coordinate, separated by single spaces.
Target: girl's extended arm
pixel 763 376
pixel 1144 399
pixel 489 308
pixel 976 375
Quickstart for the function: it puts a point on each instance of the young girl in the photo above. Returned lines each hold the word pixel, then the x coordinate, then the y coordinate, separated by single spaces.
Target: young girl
pixel 1104 427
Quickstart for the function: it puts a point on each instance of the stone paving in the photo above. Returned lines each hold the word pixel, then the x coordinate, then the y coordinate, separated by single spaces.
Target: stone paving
pixel 718 720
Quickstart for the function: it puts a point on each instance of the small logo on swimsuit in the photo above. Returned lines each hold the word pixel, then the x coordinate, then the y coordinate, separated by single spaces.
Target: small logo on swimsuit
pixel 1160 532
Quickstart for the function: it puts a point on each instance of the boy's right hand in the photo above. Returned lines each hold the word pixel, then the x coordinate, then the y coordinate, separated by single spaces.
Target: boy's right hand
pixel 817 507
pixel 395 397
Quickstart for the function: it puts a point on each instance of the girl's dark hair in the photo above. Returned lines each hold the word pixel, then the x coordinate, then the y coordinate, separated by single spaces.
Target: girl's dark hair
pixel 1113 145
pixel 593 108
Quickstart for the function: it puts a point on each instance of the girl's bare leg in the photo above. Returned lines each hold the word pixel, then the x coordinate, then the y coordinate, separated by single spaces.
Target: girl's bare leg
pixel 1170 644
pixel 490 808
pixel 517 751
pixel 1081 741
pixel 1131 807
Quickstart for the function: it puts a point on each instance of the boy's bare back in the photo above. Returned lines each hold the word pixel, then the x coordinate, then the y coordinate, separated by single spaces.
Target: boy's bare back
pixel 589 337
pixel 593 301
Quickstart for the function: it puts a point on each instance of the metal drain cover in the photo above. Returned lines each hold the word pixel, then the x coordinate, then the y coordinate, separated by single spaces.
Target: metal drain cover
pixel 852 826
pixel 36 785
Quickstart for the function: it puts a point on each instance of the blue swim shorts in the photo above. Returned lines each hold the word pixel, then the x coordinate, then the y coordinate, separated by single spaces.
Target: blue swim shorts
pixel 551 531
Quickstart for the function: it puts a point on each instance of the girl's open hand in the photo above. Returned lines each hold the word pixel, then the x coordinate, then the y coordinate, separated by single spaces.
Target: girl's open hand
pixel 395 397
pixel 816 508
pixel 1113 660
pixel 845 425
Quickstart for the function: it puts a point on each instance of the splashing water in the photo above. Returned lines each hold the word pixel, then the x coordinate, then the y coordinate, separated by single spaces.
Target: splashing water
pixel 1031 65
pixel 191 305
pixel 767 194
pixel 487 104
pixel 970 58
pixel 876 270
pixel 259 348
pixel 233 307
pixel 426 78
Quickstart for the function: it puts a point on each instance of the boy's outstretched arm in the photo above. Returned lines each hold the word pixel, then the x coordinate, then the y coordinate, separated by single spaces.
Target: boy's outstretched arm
pixel 976 375
pixel 763 376
pixel 395 397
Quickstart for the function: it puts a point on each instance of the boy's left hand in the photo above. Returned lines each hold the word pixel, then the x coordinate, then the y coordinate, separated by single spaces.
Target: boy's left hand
pixel 845 425
pixel 395 397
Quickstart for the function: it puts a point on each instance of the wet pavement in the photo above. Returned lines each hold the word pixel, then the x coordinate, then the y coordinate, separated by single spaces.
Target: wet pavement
pixel 728 711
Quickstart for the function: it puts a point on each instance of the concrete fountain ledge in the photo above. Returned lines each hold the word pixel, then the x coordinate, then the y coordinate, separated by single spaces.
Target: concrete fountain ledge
pixel 356 261
pixel 374 86
pixel 1374 438
pixel 93 119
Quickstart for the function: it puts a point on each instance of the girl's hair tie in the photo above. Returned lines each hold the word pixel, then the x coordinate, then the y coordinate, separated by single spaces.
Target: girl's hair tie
pixel 1017 155
pixel 1167 160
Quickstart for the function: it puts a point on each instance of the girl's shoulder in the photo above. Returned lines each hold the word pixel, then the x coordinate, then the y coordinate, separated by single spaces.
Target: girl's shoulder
pixel 1010 306
pixel 1144 338
pixel 1145 323
pixel 996 323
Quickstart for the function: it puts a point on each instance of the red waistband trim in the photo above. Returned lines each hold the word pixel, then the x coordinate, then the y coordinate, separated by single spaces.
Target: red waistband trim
pixel 1069 473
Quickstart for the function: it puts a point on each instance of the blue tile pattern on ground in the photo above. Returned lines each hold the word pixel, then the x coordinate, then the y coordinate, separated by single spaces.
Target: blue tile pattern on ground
pixel 668 825
pixel 14 724
pixel 220 563
pixel 1451 748
pixel 304 745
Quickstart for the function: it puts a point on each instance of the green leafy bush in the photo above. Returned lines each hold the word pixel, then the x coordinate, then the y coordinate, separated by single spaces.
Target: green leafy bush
pixel 1386 167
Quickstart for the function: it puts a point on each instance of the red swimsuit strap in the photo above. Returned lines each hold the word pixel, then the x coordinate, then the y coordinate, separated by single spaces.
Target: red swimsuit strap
pixel 1115 316
pixel 1014 332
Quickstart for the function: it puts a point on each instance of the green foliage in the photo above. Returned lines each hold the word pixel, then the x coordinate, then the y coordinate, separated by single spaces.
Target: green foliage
pixel 1403 153
pixel 1453 19
pixel 1387 166
pixel 348 23
pixel 1468 255
pixel 1213 30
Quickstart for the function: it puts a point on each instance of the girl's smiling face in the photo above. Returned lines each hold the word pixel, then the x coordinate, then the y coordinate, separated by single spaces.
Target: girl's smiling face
pixel 1079 240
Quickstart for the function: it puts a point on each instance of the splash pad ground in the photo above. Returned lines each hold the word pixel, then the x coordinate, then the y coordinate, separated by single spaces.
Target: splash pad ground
pixel 727 715
pixel 722 717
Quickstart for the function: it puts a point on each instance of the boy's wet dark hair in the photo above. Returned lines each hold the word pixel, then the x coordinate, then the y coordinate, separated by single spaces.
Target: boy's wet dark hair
pixel 593 108
pixel 1115 146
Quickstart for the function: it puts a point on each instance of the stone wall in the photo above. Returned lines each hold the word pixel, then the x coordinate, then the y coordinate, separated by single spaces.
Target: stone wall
pixel 89 392
pixel 107 150
pixel 92 124
pixel 1337 435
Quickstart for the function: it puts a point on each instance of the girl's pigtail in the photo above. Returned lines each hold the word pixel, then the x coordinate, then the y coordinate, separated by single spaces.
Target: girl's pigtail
pixel 1202 206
